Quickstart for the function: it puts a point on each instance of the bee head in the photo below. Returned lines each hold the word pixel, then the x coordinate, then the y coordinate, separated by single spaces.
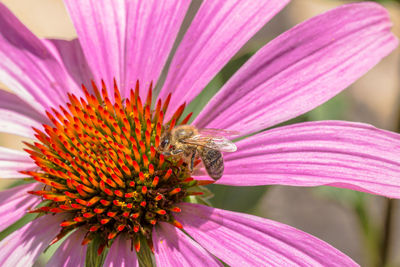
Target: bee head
pixel 165 142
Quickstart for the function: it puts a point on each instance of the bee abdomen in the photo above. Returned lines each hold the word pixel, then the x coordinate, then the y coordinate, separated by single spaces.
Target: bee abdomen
pixel 213 162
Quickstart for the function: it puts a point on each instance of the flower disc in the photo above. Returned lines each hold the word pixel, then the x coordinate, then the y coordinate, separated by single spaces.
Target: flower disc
pixel 99 166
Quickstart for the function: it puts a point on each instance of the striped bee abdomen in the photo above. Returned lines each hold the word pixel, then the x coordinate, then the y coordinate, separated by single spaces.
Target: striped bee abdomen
pixel 213 162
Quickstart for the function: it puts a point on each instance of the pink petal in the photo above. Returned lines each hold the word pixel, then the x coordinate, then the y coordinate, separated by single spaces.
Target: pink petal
pixel 173 248
pixel 128 40
pixel 302 69
pixel 14 123
pixel 15 203
pixel 12 161
pixel 71 252
pixel 12 102
pixel 22 247
pixel 218 31
pixel 120 254
pixel 70 55
pixel 28 67
pixel 17 117
pixel 245 240
pixel 335 153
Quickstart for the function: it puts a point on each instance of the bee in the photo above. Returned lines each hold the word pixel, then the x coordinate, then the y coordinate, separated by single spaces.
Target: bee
pixel 191 143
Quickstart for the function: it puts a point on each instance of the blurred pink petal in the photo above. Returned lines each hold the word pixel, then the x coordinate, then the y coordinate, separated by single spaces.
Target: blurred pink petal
pixel 70 252
pixel 28 67
pixel 15 202
pixel 120 254
pixel 302 69
pixel 23 247
pixel 12 161
pixel 128 40
pixel 70 54
pixel 173 248
pixel 13 103
pixel 335 153
pixel 245 240
pixel 14 123
pixel 17 117
pixel 218 31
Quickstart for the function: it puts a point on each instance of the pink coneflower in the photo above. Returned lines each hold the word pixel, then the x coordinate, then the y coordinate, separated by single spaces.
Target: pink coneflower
pixel 94 164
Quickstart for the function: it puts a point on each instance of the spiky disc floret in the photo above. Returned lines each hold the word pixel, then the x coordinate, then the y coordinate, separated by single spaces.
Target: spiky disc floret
pixel 100 167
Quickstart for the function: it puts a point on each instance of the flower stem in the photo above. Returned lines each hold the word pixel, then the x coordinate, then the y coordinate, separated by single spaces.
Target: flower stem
pixel 371 234
pixel 386 233
pixel 387 227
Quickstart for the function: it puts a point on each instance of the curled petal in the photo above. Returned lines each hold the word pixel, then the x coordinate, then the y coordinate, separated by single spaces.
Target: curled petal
pixel 245 240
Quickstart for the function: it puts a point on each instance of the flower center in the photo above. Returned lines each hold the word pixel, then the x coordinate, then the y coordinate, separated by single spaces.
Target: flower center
pixel 100 167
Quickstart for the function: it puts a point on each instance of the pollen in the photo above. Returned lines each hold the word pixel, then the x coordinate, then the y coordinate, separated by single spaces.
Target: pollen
pixel 99 166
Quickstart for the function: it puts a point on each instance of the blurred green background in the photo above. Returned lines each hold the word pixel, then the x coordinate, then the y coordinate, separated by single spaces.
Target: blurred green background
pixel 365 227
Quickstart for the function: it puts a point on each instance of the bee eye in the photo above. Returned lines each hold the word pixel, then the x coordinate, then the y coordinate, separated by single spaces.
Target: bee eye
pixel 164 143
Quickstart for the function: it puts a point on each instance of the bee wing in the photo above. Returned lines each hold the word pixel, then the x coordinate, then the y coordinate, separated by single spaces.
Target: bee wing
pixel 219 143
pixel 212 132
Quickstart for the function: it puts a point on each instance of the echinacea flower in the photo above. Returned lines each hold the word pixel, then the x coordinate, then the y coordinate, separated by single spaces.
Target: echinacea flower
pixel 94 164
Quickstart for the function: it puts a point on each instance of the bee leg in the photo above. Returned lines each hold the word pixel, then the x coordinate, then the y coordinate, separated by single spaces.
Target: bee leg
pixel 172 152
pixel 176 152
pixel 192 159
